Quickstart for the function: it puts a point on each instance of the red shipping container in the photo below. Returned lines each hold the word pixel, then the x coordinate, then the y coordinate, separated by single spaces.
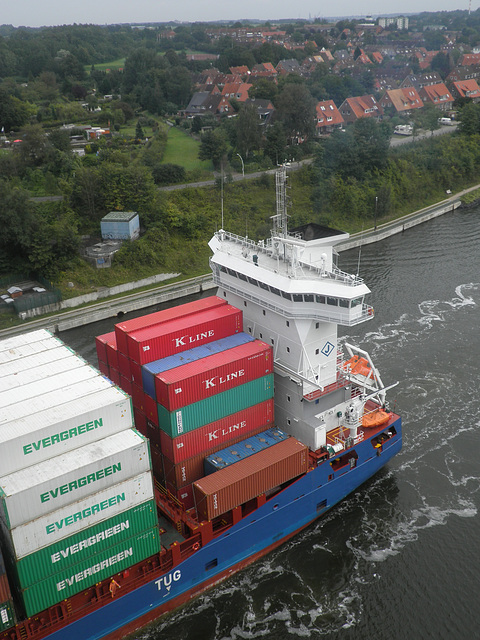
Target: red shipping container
pixel 234 485
pixel 175 336
pixel 216 433
pixel 138 397
pixel 124 365
pixel 183 495
pixel 125 384
pixel 114 376
pixel 112 353
pixel 136 372
pixel 101 345
pixel 140 420
pixel 104 368
pixel 151 409
pixel 189 470
pixel 126 327
pixel 5 593
pixel 203 378
pixel 153 432
pixel 157 461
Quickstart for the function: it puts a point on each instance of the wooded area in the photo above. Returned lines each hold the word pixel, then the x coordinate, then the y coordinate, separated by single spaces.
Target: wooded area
pixel 49 78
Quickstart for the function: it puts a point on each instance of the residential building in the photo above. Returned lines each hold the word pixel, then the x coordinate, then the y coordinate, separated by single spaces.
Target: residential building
pixel 466 89
pixel 401 101
pixel 328 117
pixel 438 95
pixel 352 109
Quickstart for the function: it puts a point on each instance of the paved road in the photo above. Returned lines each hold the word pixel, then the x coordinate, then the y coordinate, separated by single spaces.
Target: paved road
pixel 398 140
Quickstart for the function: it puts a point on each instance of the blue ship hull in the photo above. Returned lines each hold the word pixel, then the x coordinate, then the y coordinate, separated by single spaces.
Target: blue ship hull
pixel 267 527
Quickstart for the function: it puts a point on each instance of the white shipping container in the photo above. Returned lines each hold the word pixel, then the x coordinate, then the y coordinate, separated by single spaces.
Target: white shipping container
pixel 24 338
pixel 56 398
pixel 62 523
pixel 16 353
pixel 34 360
pixel 79 372
pixel 56 430
pixel 22 380
pixel 49 485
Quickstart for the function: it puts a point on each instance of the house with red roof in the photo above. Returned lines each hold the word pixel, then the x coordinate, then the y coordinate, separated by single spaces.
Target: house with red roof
pixel 237 90
pixel 352 109
pixel 468 59
pixel 242 71
pixel 264 70
pixel 328 117
pixel 401 101
pixel 466 89
pixel 363 58
pixel 438 95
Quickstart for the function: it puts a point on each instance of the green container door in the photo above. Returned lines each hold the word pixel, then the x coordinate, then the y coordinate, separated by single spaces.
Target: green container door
pixel 85 574
pixel 198 414
pixel 85 544
pixel 7 618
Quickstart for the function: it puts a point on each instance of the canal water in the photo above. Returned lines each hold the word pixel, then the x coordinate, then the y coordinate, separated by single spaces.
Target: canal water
pixel 400 558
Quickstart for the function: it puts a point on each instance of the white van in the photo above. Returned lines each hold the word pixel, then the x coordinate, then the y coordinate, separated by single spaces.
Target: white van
pixel 446 122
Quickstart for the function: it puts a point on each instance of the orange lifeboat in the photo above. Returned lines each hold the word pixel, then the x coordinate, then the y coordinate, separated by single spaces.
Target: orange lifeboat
pixel 375 418
pixel 358 366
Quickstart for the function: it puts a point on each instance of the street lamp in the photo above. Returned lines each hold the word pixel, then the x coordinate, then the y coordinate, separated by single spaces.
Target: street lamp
pixel 376 207
pixel 243 166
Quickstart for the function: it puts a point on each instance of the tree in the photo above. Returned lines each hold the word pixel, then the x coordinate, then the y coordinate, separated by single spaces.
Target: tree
pixel 213 146
pixel 442 63
pixel 248 129
pixel 139 135
pixel 296 110
pixel 428 117
pixel 276 142
pixel 360 150
pixel 470 119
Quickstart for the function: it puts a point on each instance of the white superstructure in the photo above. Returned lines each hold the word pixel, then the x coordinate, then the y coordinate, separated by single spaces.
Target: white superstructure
pixel 293 297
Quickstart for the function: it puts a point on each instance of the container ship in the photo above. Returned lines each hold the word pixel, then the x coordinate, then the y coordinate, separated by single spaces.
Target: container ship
pixel 209 434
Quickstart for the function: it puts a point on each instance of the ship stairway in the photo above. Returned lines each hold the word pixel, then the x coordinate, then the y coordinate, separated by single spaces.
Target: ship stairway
pixel 22 631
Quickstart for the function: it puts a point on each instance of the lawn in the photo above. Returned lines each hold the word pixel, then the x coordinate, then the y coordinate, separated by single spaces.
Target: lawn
pixel 182 149
pixel 113 65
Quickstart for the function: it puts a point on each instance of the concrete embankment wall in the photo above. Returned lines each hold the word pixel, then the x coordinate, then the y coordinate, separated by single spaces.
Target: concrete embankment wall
pixel 62 321
pixel 100 294
pixel 398 226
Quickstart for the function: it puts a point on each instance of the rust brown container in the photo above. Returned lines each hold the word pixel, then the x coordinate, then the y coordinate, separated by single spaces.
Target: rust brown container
pixel 191 469
pixel 230 487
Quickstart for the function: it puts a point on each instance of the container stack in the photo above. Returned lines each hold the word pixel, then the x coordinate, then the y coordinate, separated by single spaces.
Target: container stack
pixel 245 479
pixel 76 494
pixel 198 384
pixel 7 611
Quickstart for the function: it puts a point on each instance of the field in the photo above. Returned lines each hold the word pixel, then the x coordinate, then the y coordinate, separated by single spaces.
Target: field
pixel 182 149
pixel 113 65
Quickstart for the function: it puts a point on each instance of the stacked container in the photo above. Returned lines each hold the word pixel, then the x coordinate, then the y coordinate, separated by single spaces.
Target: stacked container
pixel 198 383
pixel 7 611
pixel 76 493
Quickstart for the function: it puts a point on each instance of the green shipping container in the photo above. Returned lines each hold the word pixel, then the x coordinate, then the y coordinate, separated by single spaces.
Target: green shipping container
pixel 85 574
pixel 198 414
pixel 86 543
pixel 7 617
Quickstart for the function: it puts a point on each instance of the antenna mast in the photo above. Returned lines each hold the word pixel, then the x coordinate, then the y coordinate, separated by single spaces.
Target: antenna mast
pixel 280 219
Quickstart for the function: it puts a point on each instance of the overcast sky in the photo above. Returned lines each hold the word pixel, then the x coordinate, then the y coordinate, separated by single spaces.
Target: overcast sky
pixel 34 13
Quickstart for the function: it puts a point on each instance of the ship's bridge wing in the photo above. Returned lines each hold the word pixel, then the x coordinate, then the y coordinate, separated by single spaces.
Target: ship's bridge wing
pixel 301 290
